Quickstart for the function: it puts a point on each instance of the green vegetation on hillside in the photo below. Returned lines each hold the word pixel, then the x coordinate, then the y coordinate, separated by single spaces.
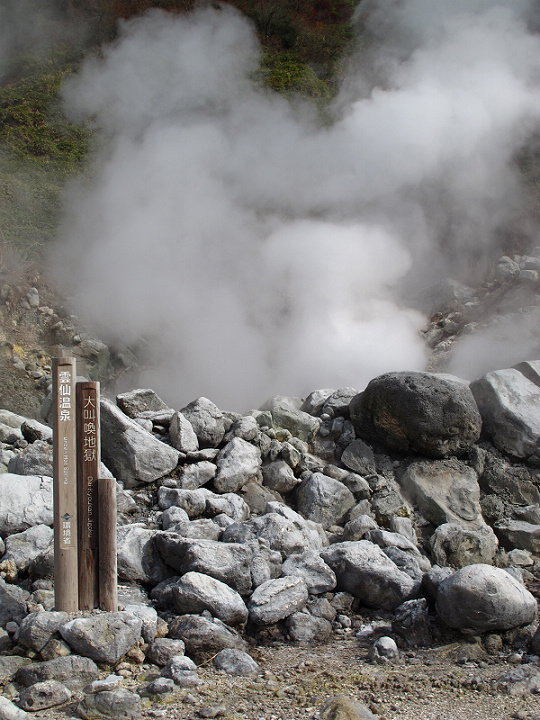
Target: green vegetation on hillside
pixel 39 151
pixel 303 43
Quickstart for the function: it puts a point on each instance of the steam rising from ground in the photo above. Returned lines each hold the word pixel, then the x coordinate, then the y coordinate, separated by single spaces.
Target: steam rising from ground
pixel 260 253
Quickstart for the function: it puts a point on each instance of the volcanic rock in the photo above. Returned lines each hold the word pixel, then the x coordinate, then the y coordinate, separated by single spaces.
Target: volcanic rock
pixel 453 545
pixel 204 638
pixel 73 671
pixel 277 599
pixel 484 598
pixel 135 402
pixel 114 704
pixel 324 500
pixel 238 462
pixel 432 415
pixel 22 548
pixel 309 566
pixel 37 629
pixel 364 570
pixel 307 629
pixel 133 455
pixel 195 592
pixel 206 420
pixel 509 404
pixel 235 662
pixel 138 557
pixel 24 501
pixel 224 561
pixel 445 491
pixel 105 637
pixel 44 695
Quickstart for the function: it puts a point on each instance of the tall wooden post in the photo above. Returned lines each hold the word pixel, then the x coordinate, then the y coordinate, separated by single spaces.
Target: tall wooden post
pixel 65 485
pixel 108 580
pixel 88 465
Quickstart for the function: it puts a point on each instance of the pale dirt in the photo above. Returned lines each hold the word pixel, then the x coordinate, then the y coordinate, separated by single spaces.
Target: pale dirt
pixel 294 682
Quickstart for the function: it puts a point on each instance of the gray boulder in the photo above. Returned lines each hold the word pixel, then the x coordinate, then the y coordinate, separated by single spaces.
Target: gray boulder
pixel 22 548
pixel 484 599
pixel 309 566
pixel 517 484
pixel 197 474
pixel 73 671
pixel 324 500
pixel 105 637
pixel 43 695
pixel 133 455
pixel 509 401
pixel 519 534
pixel 135 402
pixel 24 501
pixel 10 435
pixel 282 529
pixel 10 665
pixel 245 427
pixel 364 570
pixel 412 623
pixel 37 629
pixel 161 650
pixel 266 563
pixel 286 414
pixel 356 529
pixel 36 459
pixel 172 516
pixel 148 617
pixel 137 556
pixel 33 430
pixel 344 707
pixel 13 601
pixel 277 599
pixel 182 434
pixel 192 501
pixel 306 629
pixel 114 704
pixel 204 638
pixel 359 457
pixel 182 670
pixel 457 547
pixel 235 662
pixel 432 415
pixel 224 561
pixel 279 476
pixel 238 462
pixel 10 711
pixel 203 529
pixel 446 491
pixel 196 592
pixel 229 504
pixel 206 420
pixel 383 650
pixel 393 540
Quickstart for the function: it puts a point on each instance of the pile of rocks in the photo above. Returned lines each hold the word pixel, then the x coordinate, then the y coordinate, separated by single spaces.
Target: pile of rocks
pixel 418 497
pixel 456 311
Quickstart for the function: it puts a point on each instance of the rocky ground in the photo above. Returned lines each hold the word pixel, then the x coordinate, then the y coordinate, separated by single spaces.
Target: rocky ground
pixel 459 677
pixel 452 681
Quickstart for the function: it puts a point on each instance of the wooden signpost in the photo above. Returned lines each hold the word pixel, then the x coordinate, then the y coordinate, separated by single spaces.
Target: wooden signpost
pixel 88 466
pixel 85 560
pixel 108 587
pixel 66 595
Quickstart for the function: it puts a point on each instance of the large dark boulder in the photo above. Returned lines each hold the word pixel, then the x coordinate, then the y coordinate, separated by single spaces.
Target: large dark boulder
pixel 432 415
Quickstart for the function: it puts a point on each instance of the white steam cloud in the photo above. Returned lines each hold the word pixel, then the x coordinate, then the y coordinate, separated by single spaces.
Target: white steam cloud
pixel 259 253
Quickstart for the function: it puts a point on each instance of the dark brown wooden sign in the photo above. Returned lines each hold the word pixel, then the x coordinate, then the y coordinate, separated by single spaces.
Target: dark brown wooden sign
pixel 88 466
